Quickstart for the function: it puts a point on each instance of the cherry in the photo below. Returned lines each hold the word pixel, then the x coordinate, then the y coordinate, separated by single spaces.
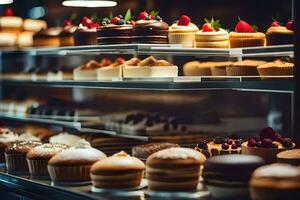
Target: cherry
pixel 184 21
pixel 275 23
pixel 8 12
pixel 143 15
pixel 229 141
pixel 86 22
pixel 114 20
pixel 132 22
pixel 289 25
pixel 67 23
pixel 243 27
pixel 251 142
pixel 266 143
pixel 234 146
pixel 105 62
pixel 207 28
pixel 267 132
pixel 120 60
pixel 225 146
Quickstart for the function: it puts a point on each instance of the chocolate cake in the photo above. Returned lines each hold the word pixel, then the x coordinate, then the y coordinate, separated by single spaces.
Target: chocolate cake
pixel 114 34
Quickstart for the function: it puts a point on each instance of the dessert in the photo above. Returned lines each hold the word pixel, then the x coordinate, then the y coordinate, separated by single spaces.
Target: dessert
pixel 73 165
pixel 174 169
pixel 10 23
pixel 219 146
pixel 34 25
pixel 267 145
pixel 276 68
pixel 8 39
pixel 212 35
pixel 150 29
pixel 86 33
pixel 118 30
pixel 87 72
pixel 279 35
pixel 38 157
pixel 65 138
pixel 244 68
pixel 15 156
pixel 59 73
pixel 25 39
pixel 227 176
pixel 47 38
pixel 183 32
pixel 290 156
pixel 117 171
pixel 109 70
pixel 275 182
pixel 6 136
pixel 246 36
pixel 219 68
pixel 145 150
pixel 67 34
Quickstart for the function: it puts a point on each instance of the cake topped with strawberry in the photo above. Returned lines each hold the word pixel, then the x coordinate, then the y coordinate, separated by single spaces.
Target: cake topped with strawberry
pixel 86 32
pixel 150 28
pixel 246 35
pixel 116 30
pixel 212 35
pixel 278 34
pixel 9 22
pixel 183 32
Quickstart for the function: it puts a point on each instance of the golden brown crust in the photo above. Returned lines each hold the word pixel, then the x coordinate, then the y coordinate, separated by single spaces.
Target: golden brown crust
pixel 147 61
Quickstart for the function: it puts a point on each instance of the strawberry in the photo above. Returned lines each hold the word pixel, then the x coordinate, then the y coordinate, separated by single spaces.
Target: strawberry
pixel 8 12
pixel 289 25
pixel 114 20
pixel 184 21
pixel 120 60
pixel 86 22
pixel 143 15
pixel 105 62
pixel 67 23
pixel 152 17
pixel 211 25
pixel 94 25
pixel 132 22
pixel 275 23
pixel 243 27
pixel 207 28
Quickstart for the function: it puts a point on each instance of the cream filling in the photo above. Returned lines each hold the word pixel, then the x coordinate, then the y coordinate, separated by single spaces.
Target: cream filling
pixel 178 28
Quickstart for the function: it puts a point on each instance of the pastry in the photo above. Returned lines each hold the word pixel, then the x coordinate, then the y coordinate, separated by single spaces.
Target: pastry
pixel 267 145
pixel 109 70
pixel 275 182
pixel 65 138
pixel 67 35
pixel 15 156
pixel 87 72
pixel 59 73
pixel 150 29
pixel 290 156
pixel 244 68
pixel 73 165
pixel 8 39
pixel 34 25
pixel 117 171
pixel 219 146
pixel 174 169
pixel 227 176
pixel 195 68
pixel 6 136
pixel 219 68
pixel 25 39
pixel 183 32
pixel 145 150
pixel 276 68
pixel 86 33
pixel 279 35
pixel 10 23
pixel 212 35
pixel 246 36
pixel 38 157
pixel 47 38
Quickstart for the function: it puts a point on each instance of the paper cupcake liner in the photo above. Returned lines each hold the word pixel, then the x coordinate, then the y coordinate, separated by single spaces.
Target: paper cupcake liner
pixel 241 71
pixel 69 173
pixel 186 39
pixel 218 71
pixel 38 168
pixel 276 71
pixel 246 42
pixel 16 163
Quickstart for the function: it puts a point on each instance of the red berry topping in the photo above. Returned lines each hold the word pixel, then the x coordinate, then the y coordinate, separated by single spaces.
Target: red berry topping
pixel 132 22
pixel 289 25
pixel 120 60
pixel 86 22
pixel 275 23
pixel 143 15
pixel 114 20
pixel 8 12
pixel 91 26
pixel 243 27
pixel 67 23
pixel 278 138
pixel 184 21
pixel 268 133
pixel 230 141
pixel 251 142
pixel 152 17
pixel 105 62
pixel 266 143
pixel 207 28
pixel 234 146
pixel 225 146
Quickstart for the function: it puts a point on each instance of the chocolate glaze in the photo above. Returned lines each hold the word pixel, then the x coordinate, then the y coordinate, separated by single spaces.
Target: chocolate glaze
pixel 84 37
pixel 114 34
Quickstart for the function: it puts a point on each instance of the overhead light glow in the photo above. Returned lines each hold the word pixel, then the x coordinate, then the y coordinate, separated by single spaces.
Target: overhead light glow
pixel 6 2
pixel 89 3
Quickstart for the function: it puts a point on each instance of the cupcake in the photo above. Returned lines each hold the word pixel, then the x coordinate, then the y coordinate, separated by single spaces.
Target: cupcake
pixel 86 33
pixel 174 169
pixel 276 68
pixel 219 68
pixel 72 166
pixel 38 157
pixel 275 182
pixel 15 156
pixel 246 36
pixel 150 29
pixel 6 137
pixel 65 138
pixel 290 156
pixel 279 35
pixel 117 171
pixel 244 68
pixel 183 32
pixel 195 68
pixel 212 35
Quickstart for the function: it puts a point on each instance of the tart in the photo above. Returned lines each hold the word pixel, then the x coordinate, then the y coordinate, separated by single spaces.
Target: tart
pixel 244 68
pixel 87 72
pixel 212 35
pixel 109 70
pixel 289 156
pixel 183 32
pixel 86 33
pixel 196 68
pixel 279 35
pixel 276 68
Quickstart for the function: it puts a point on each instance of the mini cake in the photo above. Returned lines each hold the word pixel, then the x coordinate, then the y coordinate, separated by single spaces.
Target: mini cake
pixel 65 138
pixel 67 34
pixel 150 29
pixel 246 36
pixel 183 32
pixel 73 165
pixel 6 137
pixel 86 33
pixel 290 156
pixel 195 68
pixel 117 171
pixel 174 169
pixel 87 72
pixel 275 182
pixel 145 150
pixel 227 176
pixel 34 25
pixel 10 23
pixel 244 68
pixel 279 35
pixel 212 35
pixel 219 68
pixel 38 157
pixel 276 68
pixel 268 145
pixel 15 156
pixel 47 38
pixel 109 70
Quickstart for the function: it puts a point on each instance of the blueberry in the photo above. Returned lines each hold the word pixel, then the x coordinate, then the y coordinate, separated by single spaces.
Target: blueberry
pixel 121 22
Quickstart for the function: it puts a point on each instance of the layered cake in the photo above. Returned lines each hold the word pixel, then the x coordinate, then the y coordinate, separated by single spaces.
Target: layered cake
pixel 267 145
pixel 109 70
pixel 244 68
pixel 87 71
pixel 290 156
pixel 279 35
pixel 48 37
pixel 183 32
pixel 86 33
pixel 276 68
pixel 212 35
pixel 150 29
pixel 246 36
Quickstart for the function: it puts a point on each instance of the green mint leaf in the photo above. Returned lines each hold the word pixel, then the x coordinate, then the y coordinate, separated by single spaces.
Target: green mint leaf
pixel 255 28
pixel 111 15
pixel 128 15
pixel 154 13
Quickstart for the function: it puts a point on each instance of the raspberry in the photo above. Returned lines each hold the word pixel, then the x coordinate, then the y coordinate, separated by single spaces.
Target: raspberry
pixel 252 142
pixel 114 20
pixel 184 20
pixel 143 15
pixel 86 22
pixel 266 143
pixel 267 133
